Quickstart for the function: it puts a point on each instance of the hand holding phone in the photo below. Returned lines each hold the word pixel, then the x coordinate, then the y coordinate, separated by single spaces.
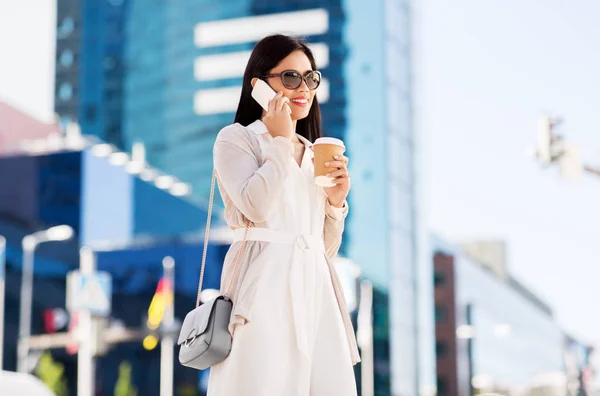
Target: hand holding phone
pixel 277 120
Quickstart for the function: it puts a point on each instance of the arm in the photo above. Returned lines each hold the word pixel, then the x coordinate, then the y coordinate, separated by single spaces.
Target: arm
pixel 333 228
pixel 253 188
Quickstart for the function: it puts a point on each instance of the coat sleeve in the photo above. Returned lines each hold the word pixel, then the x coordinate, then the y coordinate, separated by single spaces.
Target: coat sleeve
pixel 253 187
pixel 334 228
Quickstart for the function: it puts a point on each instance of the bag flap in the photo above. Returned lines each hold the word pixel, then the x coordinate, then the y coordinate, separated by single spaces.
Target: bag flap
pixel 196 321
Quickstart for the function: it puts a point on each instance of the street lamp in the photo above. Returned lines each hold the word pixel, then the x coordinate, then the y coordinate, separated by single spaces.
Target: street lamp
pixel 29 243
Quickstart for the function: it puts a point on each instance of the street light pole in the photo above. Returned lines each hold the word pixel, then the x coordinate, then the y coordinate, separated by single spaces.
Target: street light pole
pixel 86 368
pixel 365 338
pixel 167 344
pixel 30 242
pixel 2 296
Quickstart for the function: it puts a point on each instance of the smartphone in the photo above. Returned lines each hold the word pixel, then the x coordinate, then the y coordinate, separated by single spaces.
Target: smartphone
pixel 263 93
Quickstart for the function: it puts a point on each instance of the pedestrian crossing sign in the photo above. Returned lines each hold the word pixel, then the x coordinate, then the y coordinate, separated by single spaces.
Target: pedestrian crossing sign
pixel 89 292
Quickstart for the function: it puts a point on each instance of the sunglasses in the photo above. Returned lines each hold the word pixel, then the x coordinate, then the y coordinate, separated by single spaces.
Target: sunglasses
pixel 291 79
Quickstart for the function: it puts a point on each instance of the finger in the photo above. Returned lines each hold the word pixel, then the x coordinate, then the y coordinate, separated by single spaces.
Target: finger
pixel 335 164
pixel 273 102
pixel 287 107
pixel 341 181
pixel 280 102
pixel 341 158
pixel 338 173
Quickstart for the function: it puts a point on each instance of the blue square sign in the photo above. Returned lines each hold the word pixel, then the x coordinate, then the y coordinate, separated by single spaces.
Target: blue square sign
pixel 89 292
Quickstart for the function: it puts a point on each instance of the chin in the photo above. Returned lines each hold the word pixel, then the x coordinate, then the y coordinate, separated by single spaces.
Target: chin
pixel 300 115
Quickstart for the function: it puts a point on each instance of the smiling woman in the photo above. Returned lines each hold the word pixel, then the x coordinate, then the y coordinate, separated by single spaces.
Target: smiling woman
pixel 288 309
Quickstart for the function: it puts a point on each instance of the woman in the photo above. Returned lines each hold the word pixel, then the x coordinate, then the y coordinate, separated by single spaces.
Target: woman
pixel 291 332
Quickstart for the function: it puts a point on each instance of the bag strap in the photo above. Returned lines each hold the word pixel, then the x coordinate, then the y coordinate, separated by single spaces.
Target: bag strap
pixel 239 253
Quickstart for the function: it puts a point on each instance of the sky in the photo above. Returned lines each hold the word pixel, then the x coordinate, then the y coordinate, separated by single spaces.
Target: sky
pixel 484 71
pixel 27 46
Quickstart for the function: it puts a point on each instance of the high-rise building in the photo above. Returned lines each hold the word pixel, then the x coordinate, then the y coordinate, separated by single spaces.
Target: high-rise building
pixel 89 66
pixel 182 65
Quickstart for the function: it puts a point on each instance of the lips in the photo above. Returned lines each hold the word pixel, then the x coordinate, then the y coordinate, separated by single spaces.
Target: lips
pixel 300 101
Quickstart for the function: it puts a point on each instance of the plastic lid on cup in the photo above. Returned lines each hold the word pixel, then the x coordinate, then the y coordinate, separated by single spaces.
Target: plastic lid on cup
pixel 329 140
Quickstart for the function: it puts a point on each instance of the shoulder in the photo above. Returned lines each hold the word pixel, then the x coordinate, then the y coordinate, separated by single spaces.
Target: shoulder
pixel 239 136
pixel 233 133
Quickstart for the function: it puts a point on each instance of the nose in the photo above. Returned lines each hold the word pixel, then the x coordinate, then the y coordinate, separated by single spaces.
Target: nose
pixel 303 86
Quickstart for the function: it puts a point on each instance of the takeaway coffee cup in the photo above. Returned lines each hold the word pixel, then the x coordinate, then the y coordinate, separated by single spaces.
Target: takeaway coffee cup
pixel 325 149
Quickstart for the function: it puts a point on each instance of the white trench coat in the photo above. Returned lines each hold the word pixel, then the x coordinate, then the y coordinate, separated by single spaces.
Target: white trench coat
pixel 292 334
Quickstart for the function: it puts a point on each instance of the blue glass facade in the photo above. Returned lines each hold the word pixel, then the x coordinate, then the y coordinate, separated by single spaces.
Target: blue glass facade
pixel 385 226
pixel 89 66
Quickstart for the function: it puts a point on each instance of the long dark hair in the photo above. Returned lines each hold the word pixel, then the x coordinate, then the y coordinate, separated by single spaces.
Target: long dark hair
pixel 266 55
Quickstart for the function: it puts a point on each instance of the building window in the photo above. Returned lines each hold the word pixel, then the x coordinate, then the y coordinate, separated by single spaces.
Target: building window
pixel 66 58
pixel 441 349
pixel 438 278
pixel 442 386
pixel 65 92
pixel 65 28
pixel 440 313
pixel 109 63
pixel 90 113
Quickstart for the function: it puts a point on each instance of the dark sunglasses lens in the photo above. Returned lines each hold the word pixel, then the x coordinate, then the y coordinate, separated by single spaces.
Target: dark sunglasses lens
pixel 291 80
pixel 313 80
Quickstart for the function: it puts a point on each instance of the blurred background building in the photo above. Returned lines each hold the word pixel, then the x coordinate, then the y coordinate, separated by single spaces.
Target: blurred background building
pixel 132 218
pixel 495 335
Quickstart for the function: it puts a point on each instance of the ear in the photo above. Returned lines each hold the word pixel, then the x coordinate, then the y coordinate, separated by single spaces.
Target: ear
pixel 253 81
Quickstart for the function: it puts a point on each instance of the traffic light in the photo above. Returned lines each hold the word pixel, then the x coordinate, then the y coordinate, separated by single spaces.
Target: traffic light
pixel 545 139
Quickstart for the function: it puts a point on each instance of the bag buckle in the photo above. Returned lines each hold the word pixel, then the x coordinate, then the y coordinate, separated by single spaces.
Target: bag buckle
pixel 191 339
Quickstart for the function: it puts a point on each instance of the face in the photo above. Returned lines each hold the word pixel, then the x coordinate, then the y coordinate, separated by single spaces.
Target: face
pixel 301 98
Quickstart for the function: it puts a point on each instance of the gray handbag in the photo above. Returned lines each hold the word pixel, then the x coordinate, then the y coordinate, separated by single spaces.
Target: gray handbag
pixel 204 339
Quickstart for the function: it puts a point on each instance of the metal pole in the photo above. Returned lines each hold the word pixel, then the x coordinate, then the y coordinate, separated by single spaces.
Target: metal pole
pixel 589 169
pixel 2 296
pixel 365 339
pixel 29 243
pixel 86 371
pixel 469 317
pixel 167 344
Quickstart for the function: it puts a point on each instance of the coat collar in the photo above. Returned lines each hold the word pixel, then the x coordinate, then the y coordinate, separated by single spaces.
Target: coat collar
pixel 259 128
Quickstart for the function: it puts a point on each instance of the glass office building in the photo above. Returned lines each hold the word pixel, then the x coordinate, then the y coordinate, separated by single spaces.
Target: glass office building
pixel 182 66
pixel 492 332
